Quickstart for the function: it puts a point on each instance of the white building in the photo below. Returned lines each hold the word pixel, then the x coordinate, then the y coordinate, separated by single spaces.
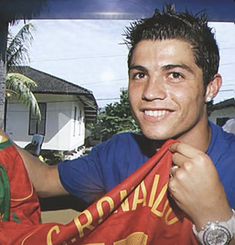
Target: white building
pixel 65 109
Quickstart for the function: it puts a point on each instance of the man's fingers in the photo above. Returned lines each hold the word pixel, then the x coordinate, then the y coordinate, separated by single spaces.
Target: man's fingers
pixel 173 170
pixel 185 150
pixel 179 159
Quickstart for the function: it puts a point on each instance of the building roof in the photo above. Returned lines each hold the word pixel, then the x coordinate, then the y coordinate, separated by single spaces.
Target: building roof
pixel 224 104
pixel 49 84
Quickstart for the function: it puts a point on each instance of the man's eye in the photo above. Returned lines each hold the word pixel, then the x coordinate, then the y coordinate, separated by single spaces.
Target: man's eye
pixel 138 75
pixel 176 75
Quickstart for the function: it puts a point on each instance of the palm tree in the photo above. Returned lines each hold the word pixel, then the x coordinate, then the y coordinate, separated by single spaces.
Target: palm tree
pixel 18 46
pixel 10 12
pixel 17 85
pixel 3 47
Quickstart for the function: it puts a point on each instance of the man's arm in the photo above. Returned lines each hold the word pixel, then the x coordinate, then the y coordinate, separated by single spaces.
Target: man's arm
pixel 44 178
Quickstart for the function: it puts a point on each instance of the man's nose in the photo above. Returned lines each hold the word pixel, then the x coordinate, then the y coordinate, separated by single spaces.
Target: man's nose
pixel 154 89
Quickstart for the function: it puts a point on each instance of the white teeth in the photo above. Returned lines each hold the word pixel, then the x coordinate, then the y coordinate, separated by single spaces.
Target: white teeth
pixel 158 113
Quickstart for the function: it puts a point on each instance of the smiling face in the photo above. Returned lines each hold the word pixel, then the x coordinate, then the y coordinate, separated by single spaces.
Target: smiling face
pixel 166 90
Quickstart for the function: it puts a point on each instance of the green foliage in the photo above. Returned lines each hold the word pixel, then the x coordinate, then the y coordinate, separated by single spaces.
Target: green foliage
pixel 18 46
pixel 19 86
pixel 116 118
pixel 51 157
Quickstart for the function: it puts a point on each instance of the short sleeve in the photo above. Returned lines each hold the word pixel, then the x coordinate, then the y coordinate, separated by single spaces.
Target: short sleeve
pixel 82 177
pixel 107 165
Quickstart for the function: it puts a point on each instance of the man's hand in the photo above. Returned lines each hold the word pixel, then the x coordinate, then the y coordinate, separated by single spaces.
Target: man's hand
pixel 195 186
pixel 3 136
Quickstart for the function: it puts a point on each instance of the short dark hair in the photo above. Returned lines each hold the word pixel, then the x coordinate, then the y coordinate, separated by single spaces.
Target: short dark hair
pixel 185 26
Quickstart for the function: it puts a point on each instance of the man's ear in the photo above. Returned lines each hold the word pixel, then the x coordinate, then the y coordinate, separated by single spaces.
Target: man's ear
pixel 213 88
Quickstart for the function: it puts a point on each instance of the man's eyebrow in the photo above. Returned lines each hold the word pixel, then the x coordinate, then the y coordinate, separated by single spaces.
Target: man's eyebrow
pixel 138 67
pixel 172 66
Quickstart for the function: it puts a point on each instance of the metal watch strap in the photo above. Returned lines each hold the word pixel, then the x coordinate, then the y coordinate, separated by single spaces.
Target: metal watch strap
pixel 227 227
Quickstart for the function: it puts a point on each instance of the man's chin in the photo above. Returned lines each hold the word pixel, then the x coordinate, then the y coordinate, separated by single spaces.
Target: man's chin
pixel 154 135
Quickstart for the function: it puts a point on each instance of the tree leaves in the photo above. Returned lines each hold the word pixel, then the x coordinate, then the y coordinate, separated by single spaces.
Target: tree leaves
pixel 18 46
pixel 19 86
pixel 116 118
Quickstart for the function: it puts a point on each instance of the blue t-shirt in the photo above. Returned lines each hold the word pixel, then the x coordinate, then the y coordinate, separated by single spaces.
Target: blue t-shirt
pixel 113 161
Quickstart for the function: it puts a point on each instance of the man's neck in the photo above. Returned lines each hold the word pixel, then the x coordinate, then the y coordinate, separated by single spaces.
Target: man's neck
pixel 199 137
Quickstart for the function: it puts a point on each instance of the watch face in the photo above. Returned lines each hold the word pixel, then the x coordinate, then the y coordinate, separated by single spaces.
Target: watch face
pixel 216 234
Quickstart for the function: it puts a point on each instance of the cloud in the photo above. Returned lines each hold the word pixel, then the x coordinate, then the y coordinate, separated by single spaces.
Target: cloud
pixel 81 51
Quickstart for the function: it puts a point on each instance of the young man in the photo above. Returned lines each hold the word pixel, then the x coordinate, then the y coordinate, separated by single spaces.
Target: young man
pixel 173 75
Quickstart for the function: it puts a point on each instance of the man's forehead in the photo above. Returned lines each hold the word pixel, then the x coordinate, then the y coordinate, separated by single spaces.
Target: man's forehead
pixel 163 52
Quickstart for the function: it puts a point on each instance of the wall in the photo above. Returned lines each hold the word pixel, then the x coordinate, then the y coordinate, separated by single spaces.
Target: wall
pixel 17 123
pixel 60 123
pixel 77 126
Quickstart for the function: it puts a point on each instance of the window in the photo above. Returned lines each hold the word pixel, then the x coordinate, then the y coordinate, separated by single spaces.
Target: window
pixel 80 122
pixel 36 126
pixel 74 121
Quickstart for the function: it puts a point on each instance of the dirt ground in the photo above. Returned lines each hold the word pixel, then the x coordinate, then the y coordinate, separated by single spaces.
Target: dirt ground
pixel 59 216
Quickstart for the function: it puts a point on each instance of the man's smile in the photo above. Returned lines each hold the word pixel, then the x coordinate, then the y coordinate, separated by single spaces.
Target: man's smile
pixel 156 114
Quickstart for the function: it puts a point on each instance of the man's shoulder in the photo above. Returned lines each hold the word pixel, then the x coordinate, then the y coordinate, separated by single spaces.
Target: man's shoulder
pixel 223 143
pixel 229 138
pixel 225 139
pixel 220 135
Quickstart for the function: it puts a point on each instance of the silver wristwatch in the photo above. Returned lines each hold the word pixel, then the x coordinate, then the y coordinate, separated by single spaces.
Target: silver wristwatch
pixel 217 233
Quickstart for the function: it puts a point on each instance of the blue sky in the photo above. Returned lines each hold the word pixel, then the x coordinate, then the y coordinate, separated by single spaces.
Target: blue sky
pixel 90 53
